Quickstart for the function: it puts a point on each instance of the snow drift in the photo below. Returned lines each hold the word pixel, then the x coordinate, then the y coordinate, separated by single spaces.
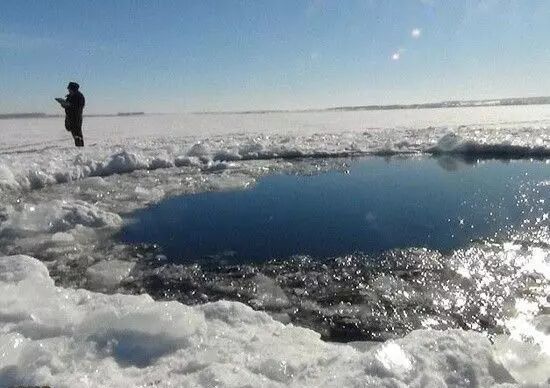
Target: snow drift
pixel 66 338
pixel 64 206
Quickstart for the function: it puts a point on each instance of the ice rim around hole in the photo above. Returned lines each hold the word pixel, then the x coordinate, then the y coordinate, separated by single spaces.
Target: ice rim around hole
pixel 65 208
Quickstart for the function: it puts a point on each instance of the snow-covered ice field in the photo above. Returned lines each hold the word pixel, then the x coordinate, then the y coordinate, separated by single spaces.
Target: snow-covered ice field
pixel 61 208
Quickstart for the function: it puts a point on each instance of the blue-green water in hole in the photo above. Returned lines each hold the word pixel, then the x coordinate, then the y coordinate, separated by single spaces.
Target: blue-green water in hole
pixel 378 204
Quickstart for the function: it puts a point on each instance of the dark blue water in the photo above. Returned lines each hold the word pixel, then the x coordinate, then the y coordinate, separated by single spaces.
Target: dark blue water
pixel 377 205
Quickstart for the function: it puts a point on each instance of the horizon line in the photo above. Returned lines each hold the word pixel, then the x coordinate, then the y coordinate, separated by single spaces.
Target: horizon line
pixel 500 101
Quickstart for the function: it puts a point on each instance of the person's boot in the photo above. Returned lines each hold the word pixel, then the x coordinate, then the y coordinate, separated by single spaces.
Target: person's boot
pixel 78 141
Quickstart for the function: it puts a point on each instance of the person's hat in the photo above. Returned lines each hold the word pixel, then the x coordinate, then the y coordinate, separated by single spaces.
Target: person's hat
pixel 73 86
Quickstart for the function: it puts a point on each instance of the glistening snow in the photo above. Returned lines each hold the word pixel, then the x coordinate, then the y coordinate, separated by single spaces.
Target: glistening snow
pixel 64 205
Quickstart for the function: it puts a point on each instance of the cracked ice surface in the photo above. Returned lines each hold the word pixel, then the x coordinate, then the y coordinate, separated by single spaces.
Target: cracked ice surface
pixel 68 338
pixel 64 206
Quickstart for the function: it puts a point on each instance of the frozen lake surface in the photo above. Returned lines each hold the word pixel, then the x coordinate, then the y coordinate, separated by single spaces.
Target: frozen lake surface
pixel 80 307
pixel 370 205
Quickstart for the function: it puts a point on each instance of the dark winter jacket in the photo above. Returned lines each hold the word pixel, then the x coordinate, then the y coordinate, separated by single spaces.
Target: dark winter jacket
pixel 73 111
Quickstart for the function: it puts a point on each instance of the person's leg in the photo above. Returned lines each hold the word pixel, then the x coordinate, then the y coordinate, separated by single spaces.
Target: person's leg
pixel 74 138
pixel 78 139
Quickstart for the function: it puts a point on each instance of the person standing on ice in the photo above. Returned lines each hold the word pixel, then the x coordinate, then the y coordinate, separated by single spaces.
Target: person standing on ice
pixel 74 105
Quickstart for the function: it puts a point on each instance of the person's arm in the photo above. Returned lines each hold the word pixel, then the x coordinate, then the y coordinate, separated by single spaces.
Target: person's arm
pixel 64 103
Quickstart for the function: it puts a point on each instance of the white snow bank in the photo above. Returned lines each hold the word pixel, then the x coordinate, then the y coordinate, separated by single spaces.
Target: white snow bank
pixel 21 171
pixel 126 145
pixel 67 338
pixel 55 216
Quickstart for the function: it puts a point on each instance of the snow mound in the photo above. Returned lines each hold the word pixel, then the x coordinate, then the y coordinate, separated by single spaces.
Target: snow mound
pixel 55 216
pixel 67 338
pixel 452 143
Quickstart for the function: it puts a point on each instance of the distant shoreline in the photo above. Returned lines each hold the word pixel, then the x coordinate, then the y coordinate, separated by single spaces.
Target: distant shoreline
pixel 432 105
pixel 40 115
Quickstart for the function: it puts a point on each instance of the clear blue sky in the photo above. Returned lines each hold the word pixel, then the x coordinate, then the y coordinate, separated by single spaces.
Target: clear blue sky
pixel 251 54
